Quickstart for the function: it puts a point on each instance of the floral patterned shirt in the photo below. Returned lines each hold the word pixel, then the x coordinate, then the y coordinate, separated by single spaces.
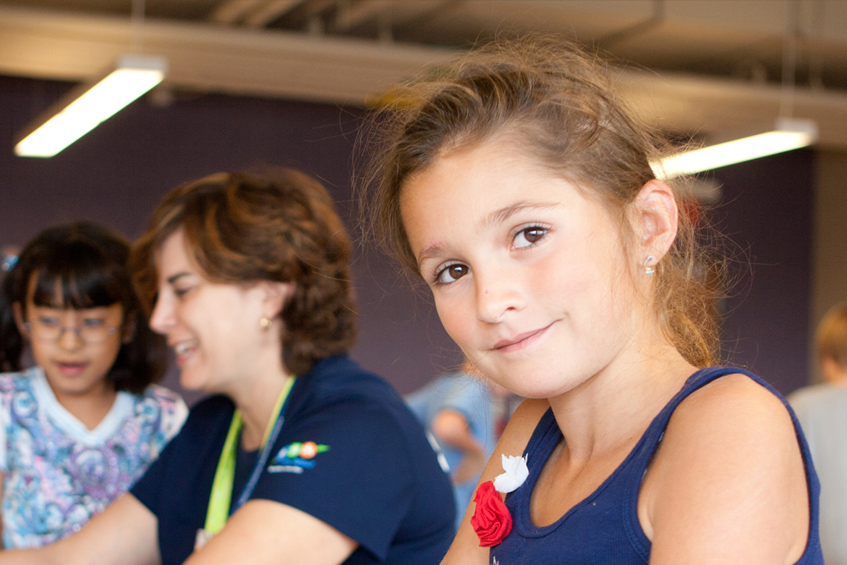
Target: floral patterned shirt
pixel 57 473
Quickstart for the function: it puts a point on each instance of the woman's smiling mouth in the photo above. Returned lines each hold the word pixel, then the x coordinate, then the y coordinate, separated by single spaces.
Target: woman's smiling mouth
pixel 183 348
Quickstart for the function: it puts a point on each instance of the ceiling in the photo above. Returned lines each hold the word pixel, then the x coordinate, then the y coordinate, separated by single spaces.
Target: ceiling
pixel 712 67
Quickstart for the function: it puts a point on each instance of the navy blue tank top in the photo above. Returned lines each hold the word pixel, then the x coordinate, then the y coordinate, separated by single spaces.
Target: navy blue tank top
pixel 604 528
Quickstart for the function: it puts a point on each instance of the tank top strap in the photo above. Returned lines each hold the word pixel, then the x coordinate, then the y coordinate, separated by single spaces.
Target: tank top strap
pixel 538 449
pixel 647 446
pixel 545 436
pixel 697 380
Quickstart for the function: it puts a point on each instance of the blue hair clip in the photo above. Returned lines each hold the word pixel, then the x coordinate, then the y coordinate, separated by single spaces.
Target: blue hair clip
pixel 8 263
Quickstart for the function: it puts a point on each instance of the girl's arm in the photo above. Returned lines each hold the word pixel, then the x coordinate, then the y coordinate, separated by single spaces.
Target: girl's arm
pixel 465 549
pixel 728 483
pixel 123 534
pixel 267 532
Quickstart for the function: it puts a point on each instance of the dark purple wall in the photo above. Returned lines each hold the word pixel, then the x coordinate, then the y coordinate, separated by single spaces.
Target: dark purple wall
pixel 117 174
pixel 767 211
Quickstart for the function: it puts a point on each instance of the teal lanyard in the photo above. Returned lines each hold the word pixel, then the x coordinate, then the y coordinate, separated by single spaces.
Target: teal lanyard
pixel 221 497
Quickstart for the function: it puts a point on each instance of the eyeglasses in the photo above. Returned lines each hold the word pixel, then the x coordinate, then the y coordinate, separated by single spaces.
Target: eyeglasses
pixel 49 328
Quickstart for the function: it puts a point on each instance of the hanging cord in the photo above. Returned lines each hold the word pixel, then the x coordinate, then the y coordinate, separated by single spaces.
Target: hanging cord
pixel 136 33
pixel 814 53
pixel 789 58
pixel 656 19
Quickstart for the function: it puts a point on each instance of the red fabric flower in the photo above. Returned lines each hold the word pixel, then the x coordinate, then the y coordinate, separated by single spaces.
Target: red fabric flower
pixel 491 519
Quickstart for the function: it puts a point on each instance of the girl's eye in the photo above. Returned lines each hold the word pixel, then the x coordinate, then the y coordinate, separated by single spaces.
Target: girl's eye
pixel 92 322
pixel 451 273
pixel 529 236
pixel 49 321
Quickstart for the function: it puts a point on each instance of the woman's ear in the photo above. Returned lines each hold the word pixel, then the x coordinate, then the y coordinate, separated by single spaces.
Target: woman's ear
pixel 276 296
pixel 657 219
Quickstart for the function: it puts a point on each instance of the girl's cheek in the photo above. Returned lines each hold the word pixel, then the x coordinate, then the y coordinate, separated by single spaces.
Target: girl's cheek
pixel 455 322
pixel 39 355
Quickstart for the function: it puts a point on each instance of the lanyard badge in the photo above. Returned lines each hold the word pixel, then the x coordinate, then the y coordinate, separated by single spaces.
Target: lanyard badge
pixel 220 498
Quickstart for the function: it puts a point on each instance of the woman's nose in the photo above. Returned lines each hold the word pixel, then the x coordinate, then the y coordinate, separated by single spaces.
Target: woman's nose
pixel 161 319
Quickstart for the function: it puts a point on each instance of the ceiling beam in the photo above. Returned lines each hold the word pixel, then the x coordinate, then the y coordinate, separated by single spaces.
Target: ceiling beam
pixel 242 61
pixel 207 57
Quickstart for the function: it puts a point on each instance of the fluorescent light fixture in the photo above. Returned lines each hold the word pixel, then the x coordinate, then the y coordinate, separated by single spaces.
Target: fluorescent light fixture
pixel 789 134
pixel 85 108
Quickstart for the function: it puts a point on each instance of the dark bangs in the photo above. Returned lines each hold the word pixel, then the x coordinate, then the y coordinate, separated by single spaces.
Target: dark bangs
pixel 85 275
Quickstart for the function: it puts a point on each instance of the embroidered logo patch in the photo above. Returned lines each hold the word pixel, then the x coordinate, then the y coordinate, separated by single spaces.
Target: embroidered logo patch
pixel 296 457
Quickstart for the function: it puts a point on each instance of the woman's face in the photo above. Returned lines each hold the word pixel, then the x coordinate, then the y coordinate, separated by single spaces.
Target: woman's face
pixel 529 274
pixel 76 348
pixel 212 327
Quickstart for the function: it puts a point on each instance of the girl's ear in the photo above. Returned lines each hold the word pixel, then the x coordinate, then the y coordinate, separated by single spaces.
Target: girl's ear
pixel 18 314
pixel 129 327
pixel 657 219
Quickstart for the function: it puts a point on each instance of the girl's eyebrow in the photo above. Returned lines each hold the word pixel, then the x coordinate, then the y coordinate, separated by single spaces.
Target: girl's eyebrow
pixel 503 214
pixel 428 253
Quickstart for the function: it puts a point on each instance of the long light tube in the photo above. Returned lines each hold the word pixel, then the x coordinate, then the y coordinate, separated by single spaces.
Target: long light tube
pixel 789 134
pixel 80 112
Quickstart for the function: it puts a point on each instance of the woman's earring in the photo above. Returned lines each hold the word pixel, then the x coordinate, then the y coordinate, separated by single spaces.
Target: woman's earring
pixel 264 322
pixel 648 270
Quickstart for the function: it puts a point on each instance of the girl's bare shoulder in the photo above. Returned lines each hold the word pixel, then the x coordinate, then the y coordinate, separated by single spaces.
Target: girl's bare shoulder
pixel 728 477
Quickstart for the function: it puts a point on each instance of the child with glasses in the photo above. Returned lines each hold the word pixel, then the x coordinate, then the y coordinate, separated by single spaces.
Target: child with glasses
pixel 82 424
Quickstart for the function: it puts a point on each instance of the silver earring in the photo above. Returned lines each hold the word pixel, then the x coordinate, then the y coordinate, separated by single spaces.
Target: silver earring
pixel 648 270
pixel 264 322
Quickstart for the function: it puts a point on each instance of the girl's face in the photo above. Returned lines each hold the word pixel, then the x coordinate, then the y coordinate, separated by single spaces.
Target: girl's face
pixel 529 274
pixel 76 348
pixel 213 327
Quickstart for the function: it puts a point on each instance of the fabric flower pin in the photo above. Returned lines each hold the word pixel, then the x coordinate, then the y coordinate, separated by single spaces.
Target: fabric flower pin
pixel 491 519
pixel 515 474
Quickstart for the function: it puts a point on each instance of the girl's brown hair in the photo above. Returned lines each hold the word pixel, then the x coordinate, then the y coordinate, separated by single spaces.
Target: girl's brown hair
pixel 557 103
pixel 244 228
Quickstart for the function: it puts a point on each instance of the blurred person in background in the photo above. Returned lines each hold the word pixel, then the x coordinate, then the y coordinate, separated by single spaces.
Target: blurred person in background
pixel 822 411
pixel 466 413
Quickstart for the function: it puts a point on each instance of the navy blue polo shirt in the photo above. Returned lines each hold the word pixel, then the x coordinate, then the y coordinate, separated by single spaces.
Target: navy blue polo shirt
pixel 349 453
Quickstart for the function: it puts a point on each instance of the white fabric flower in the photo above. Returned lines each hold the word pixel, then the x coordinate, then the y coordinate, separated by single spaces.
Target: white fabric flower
pixel 515 475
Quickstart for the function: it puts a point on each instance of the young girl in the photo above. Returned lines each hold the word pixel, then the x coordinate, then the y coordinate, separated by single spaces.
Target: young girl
pixel 519 188
pixel 79 427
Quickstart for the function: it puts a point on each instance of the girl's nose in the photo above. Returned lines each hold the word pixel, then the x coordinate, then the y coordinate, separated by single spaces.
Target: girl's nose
pixel 497 294
pixel 70 338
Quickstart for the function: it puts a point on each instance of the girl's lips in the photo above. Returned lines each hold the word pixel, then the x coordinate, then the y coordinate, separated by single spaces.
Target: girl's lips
pixel 521 340
pixel 71 369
